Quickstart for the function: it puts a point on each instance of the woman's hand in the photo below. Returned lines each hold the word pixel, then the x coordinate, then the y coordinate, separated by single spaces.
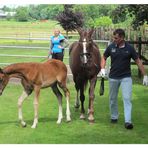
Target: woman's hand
pixel 60 47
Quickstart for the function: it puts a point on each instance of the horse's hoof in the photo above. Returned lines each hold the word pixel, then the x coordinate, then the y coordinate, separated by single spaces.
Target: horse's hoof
pixel 91 122
pixel 82 117
pixel 77 106
pixel 91 117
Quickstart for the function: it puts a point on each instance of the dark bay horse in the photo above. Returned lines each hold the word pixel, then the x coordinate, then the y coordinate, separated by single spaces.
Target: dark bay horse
pixel 85 65
pixel 35 76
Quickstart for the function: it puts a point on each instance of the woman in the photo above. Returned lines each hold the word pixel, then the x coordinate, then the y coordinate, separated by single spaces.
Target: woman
pixel 58 43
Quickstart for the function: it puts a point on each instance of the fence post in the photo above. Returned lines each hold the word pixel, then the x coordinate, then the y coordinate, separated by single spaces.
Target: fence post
pixel 139 53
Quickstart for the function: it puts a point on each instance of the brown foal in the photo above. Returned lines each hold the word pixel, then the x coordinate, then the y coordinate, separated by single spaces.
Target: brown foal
pixel 35 76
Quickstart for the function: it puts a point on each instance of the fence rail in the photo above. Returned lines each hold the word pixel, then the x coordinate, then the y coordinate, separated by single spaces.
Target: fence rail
pixel 47 39
pixel 34 47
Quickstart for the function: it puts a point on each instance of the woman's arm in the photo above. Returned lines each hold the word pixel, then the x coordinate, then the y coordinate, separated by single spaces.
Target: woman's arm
pixel 64 43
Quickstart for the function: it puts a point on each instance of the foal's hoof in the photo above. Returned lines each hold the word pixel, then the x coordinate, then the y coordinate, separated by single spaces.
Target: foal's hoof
pixel 68 119
pixel 59 122
pixel 33 126
pixel 23 124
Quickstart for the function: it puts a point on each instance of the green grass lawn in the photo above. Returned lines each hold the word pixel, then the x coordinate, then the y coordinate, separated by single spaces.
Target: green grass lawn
pixel 77 131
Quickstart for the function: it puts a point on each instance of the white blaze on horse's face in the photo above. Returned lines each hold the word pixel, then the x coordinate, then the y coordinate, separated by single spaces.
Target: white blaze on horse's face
pixel 84 51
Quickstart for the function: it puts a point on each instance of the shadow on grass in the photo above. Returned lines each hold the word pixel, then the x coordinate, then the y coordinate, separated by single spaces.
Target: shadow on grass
pixel 29 122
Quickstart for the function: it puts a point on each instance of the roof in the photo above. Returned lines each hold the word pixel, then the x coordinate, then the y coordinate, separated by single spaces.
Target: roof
pixel 4 14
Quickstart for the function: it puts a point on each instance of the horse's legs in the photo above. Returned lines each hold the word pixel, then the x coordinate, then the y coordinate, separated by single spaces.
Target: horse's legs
pixel 82 98
pixel 36 103
pixel 59 96
pixel 20 102
pixel 67 95
pixel 91 98
pixel 77 101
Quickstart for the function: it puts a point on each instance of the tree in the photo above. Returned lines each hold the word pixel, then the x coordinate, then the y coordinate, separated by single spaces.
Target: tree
pixel 139 13
pixel 103 21
pixel 93 12
pixel 33 12
pixel 22 14
pixel 6 9
pixel 70 20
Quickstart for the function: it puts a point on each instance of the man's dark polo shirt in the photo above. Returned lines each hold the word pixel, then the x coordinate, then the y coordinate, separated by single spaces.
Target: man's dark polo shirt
pixel 120 60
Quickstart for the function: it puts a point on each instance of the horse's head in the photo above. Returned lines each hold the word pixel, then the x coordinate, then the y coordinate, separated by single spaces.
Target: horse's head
pixel 85 43
pixel 4 78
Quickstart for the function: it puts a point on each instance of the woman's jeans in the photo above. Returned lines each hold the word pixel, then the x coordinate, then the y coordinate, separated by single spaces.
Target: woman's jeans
pixel 126 87
pixel 58 56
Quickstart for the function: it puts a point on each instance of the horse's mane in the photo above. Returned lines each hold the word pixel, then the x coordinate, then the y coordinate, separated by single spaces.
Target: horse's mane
pixel 72 45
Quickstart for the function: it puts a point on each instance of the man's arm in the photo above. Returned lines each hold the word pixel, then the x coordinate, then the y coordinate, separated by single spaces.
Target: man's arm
pixel 140 66
pixel 103 62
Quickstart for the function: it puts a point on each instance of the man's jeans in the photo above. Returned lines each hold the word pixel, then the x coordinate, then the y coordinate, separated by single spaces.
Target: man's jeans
pixel 126 86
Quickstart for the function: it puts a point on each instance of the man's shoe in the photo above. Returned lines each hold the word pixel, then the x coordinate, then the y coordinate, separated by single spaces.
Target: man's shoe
pixel 129 125
pixel 114 120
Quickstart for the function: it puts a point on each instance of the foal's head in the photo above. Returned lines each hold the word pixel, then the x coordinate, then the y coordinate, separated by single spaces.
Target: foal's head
pixel 4 78
pixel 85 43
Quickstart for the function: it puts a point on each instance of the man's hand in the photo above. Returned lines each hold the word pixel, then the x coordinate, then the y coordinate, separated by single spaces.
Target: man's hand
pixel 102 72
pixel 145 80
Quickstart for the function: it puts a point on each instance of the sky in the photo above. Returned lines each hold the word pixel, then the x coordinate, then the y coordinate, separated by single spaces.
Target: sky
pixel 16 3
pixel 20 2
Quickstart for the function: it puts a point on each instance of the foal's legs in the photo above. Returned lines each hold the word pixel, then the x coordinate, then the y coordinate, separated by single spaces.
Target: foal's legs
pixel 59 96
pixel 36 103
pixel 20 102
pixel 67 95
pixel 91 98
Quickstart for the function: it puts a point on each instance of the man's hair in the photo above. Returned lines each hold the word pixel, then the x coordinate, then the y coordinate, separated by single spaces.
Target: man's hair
pixel 120 32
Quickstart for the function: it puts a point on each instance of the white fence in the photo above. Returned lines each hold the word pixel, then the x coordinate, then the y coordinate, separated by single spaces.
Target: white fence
pixel 33 47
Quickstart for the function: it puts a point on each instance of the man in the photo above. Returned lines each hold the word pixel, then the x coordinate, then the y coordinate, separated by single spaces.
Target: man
pixel 121 53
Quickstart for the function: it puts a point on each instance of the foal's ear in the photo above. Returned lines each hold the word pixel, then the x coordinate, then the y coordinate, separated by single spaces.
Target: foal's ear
pixel 1 71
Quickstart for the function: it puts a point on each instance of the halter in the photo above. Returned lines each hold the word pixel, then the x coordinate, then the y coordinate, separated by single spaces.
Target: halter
pixel 85 55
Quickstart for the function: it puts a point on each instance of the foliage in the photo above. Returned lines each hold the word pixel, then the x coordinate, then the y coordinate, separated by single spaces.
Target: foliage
pixel 69 19
pixel 93 12
pixel 6 9
pixel 22 14
pixel 139 14
pixel 103 21
pixel 8 17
